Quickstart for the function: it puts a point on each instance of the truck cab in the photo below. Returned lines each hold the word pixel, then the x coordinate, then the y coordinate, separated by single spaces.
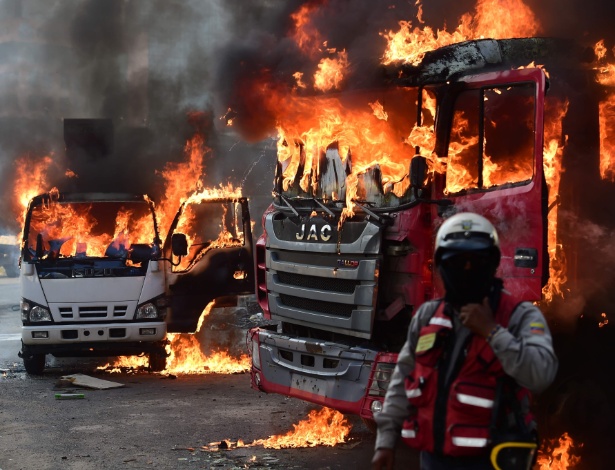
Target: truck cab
pixel 344 287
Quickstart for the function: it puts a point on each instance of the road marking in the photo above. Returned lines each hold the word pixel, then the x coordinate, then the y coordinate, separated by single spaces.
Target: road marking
pixel 10 337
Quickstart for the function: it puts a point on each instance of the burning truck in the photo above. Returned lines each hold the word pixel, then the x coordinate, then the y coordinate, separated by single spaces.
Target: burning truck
pixel 97 279
pixel 346 255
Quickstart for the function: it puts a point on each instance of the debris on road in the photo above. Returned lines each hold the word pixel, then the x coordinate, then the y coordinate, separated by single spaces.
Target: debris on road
pixel 86 381
pixel 69 396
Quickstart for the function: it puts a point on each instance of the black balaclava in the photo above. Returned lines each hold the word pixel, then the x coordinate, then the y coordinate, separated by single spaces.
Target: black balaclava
pixel 468 276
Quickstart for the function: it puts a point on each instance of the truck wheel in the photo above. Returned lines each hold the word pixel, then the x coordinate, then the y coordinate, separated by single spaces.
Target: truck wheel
pixel 158 360
pixel 34 364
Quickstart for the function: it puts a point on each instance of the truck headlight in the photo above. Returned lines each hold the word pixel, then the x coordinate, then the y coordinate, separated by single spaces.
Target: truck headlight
pixel 38 314
pixel 34 313
pixel 146 311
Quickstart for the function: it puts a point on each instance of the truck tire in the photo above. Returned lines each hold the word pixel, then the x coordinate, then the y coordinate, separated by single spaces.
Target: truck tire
pixel 34 364
pixel 158 360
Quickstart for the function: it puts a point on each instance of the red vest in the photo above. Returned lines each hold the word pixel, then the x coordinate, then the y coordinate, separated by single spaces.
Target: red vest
pixel 453 420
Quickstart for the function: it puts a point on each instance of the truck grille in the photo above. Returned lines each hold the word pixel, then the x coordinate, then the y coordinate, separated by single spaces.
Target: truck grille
pixel 93 312
pixel 320 306
pixel 318 283
pixel 331 285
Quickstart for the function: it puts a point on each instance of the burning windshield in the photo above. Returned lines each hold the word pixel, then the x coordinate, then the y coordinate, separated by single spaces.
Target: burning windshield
pixel 352 147
pixel 60 228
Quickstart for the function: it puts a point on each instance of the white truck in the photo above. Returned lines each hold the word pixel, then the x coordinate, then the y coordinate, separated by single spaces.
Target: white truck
pixel 97 280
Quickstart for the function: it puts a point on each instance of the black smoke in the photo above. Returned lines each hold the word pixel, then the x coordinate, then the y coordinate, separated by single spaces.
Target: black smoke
pixel 148 64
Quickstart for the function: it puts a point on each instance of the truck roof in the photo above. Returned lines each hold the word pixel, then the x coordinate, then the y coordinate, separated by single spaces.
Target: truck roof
pixel 89 197
pixel 449 62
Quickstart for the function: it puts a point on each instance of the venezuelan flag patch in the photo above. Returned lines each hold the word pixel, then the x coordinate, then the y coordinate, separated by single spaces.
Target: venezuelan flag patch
pixel 537 328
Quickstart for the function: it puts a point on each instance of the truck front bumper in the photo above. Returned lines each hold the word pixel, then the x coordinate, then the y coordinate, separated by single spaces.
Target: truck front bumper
pixel 329 374
pixel 50 338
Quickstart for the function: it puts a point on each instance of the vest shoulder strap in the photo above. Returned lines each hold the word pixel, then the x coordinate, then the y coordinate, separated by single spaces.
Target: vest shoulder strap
pixel 433 307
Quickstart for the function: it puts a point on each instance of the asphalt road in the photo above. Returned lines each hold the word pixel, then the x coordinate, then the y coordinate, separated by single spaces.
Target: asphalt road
pixel 167 422
pixel 153 421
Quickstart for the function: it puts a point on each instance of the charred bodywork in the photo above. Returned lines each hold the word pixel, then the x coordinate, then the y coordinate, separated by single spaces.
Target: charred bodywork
pixel 215 268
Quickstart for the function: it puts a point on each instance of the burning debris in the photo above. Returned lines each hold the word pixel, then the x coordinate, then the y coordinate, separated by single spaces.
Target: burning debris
pixel 324 427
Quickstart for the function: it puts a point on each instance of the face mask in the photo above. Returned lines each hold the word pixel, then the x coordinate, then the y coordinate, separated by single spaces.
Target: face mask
pixel 467 277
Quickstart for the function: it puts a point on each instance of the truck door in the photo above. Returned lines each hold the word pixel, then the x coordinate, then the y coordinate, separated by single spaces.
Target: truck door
pixel 493 132
pixel 217 259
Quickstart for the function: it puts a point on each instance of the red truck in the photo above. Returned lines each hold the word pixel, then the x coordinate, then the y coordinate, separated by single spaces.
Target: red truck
pixel 342 288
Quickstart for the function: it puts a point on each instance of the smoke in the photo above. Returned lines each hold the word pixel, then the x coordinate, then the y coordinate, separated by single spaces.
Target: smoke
pixel 148 64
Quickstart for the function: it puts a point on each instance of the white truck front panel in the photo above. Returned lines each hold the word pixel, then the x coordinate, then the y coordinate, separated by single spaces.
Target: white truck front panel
pixel 94 333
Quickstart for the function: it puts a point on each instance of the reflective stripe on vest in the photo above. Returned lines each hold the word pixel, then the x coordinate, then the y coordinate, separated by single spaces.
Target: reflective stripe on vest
pixel 415 392
pixel 470 441
pixel 472 400
pixel 441 321
pixel 408 433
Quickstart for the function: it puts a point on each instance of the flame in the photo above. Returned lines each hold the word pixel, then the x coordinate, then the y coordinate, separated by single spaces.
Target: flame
pixel 331 72
pixel 606 70
pixel 606 76
pixel 79 230
pixel 551 457
pixel 185 356
pixel 326 427
pixel 180 180
pixel 607 132
pixel 552 163
pixel 497 19
pixel 604 321
pixel 305 34
pixel 308 127
pixel 30 181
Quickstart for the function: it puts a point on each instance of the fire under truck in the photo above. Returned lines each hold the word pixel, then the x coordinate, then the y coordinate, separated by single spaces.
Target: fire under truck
pixel 343 290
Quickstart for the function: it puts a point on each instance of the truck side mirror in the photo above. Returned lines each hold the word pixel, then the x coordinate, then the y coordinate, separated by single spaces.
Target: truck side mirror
pixel 179 244
pixel 418 171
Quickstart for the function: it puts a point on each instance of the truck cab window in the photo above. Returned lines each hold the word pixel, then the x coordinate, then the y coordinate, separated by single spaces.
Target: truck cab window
pixel 492 138
pixel 207 226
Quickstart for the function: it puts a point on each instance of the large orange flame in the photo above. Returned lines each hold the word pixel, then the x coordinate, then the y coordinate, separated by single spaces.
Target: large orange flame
pixel 497 19
pixel 324 427
pixel 552 164
pixel 558 454
pixel 186 356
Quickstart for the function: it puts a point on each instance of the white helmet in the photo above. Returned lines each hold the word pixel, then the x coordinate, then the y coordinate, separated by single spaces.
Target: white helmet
pixel 466 232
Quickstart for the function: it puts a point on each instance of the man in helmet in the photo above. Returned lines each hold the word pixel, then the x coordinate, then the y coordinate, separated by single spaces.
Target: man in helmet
pixel 460 392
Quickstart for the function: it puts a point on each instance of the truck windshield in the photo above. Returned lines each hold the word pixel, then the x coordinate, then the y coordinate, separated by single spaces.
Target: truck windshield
pixel 354 146
pixel 113 230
